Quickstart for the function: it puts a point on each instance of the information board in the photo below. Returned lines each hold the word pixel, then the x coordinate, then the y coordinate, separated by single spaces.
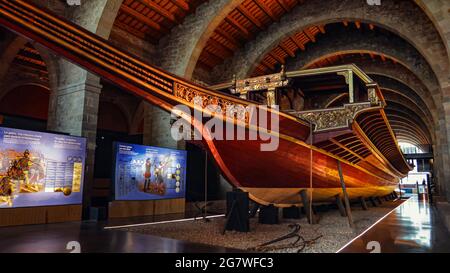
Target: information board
pixel 149 173
pixel 40 169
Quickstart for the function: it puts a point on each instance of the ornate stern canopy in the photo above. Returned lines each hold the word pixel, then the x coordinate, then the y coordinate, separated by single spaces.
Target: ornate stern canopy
pixel 336 101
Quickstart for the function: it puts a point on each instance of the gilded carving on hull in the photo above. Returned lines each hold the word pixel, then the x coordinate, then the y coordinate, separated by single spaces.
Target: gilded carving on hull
pixel 227 107
pixel 330 119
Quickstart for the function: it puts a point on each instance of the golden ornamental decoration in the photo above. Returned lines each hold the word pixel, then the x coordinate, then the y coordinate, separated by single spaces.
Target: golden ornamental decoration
pixel 228 108
pixel 331 119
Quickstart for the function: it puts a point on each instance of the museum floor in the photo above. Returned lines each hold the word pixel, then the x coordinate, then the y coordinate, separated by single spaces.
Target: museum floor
pixel 412 227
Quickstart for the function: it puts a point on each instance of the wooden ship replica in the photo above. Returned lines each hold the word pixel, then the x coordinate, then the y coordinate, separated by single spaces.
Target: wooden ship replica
pixel 330 119
pixel 340 121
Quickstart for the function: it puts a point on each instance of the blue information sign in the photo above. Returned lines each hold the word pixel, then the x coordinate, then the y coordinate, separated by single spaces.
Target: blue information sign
pixel 40 169
pixel 149 173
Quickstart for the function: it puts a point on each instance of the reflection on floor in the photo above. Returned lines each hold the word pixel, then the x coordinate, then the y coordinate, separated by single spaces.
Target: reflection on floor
pixel 56 238
pixel 142 220
pixel 414 226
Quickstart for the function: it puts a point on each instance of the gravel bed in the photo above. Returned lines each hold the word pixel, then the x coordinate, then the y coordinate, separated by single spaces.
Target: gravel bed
pixel 329 235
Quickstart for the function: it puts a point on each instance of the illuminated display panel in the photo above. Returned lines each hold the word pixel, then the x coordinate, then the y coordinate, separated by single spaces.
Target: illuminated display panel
pixel 149 173
pixel 40 169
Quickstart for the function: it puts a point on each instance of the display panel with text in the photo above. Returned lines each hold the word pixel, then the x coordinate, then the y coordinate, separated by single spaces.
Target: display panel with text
pixel 40 169
pixel 149 173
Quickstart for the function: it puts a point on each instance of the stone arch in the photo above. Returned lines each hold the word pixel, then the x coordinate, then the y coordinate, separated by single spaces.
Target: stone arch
pixel 8 79
pixel 96 16
pixel 118 122
pixel 400 111
pixel 137 118
pixel 8 88
pixel 407 94
pixel 186 41
pixel 393 97
pixel 403 54
pixel 395 17
pixel 437 11
pixel 11 47
pixel 393 70
pixel 27 99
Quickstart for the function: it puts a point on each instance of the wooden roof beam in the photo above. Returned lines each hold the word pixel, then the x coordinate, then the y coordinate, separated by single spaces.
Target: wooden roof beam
pixel 260 71
pixel 266 10
pixel 129 29
pixel 310 35
pixel 268 65
pixel 31 60
pixel 227 36
pixel 31 55
pixel 287 50
pixel 220 46
pixel 284 5
pixel 142 18
pixel 31 50
pixel 298 43
pixel 238 27
pixel 277 58
pixel 212 56
pixel 322 29
pixel 250 17
pixel 181 4
pixel 160 10
pixel 204 65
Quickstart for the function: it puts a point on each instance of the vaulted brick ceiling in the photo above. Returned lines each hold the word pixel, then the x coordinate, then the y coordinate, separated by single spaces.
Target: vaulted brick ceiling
pixel 152 19
pixel 30 60
pixel 242 25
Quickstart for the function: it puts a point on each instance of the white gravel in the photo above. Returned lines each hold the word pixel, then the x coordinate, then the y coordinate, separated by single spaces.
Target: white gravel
pixel 332 231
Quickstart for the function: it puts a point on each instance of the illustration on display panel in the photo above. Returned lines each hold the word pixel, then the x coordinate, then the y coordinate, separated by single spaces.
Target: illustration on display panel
pixel 149 173
pixel 40 169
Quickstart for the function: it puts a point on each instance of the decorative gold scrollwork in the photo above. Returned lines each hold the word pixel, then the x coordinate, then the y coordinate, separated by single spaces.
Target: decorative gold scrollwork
pixel 228 108
pixel 331 119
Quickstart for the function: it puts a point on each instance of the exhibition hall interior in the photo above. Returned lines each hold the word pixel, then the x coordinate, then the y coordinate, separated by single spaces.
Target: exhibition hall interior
pixel 224 126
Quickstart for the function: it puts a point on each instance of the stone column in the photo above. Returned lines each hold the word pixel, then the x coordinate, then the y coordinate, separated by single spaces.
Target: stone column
pixel 73 109
pixel 157 128
pixel 182 48
pixel 446 146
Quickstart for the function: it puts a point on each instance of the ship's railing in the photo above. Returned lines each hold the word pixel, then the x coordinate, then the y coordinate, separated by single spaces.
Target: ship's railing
pixel 323 119
pixel 132 74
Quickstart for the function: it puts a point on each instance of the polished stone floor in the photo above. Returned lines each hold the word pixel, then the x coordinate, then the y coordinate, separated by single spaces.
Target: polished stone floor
pixel 413 227
pixel 92 238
